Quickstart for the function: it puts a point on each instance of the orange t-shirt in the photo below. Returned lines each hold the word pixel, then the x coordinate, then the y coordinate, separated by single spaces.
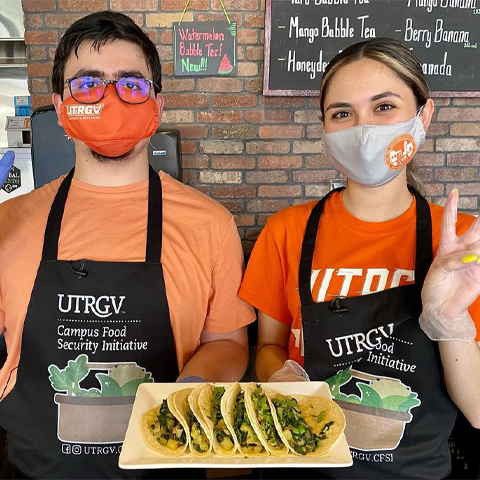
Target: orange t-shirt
pixel 351 258
pixel 201 254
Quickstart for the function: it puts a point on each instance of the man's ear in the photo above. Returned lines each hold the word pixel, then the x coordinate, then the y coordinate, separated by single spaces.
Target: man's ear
pixel 159 100
pixel 57 102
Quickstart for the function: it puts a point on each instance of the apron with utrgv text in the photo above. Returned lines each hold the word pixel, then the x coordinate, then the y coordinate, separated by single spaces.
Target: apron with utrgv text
pixel 381 368
pixel 94 331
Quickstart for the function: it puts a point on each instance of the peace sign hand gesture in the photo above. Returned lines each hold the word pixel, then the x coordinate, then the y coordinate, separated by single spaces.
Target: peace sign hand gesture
pixel 453 280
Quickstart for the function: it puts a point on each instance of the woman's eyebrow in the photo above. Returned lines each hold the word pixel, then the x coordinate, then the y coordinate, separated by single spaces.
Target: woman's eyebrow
pixel 383 95
pixel 338 105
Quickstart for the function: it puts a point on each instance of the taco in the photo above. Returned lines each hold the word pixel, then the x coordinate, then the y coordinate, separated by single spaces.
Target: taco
pixel 237 421
pixel 260 413
pixel 198 441
pixel 307 425
pixel 209 401
pixel 162 432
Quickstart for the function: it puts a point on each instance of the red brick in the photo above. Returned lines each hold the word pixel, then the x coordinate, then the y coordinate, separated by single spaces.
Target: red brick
pixel 317 191
pixel 62 20
pixel 219 177
pixel 36 52
pixel 247 36
pixel 252 233
pixel 314 131
pixel 233 131
pixel 178 84
pixel 279 191
pixel 185 100
pixel 228 85
pixel 189 177
pixel 34 21
pixel 39 5
pixel 233 192
pixel 434 189
pixel 83 5
pixel 220 116
pixel 307 116
pixel 266 177
pixel 469 102
pixel 268 116
pixel 225 147
pixel 464 188
pixel 459 114
pixel 176 5
pixel 244 220
pixel 165 52
pixel 166 37
pixel 426 175
pixel 137 18
pixel 427 146
pixel 220 17
pixel 39 85
pixel 430 159
pixel 237 101
pixel 458 144
pixel 268 147
pixel 51 52
pixel 313 176
pixel 258 205
pixel 254 85
pixel 134 5
pixel 41 37
pixel 232 205
pixel 441 101
pixel 232 5
pixel 39 69
pixel 176 116
pixel 232 162
pixel 292 131
pixel 283 101
pixel 437 129
pixel 267 162
pixel 40 100
pixel 468 203
pixel 317 161
pixel 254 20
pixel 167 69
pixel 152 35
pixel 465 129
pixel 254 53
pixel 192 131
pixel 195 161
pixel 456 174
pixel 463 159
pixel 247 69
pixel 308 146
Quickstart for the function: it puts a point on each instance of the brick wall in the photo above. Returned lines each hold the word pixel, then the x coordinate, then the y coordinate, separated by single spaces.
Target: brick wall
pixel 254 154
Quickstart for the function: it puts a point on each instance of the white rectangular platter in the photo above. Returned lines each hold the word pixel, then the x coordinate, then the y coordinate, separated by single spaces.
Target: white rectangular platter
pixel 136 455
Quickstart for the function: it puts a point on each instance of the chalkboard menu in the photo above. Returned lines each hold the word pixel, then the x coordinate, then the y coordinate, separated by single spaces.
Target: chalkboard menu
pixel 302 36
pixel 205 48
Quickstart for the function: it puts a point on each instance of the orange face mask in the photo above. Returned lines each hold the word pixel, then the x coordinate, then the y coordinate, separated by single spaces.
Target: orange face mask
pixel 110 127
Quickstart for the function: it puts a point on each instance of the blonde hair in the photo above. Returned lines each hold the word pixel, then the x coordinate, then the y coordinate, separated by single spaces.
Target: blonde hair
pixel 401 61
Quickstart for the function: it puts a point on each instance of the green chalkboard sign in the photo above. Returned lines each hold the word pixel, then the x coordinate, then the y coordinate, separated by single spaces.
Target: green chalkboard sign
pixel 205 48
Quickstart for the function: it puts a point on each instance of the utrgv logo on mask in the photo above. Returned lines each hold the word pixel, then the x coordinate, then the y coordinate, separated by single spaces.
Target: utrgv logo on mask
pixel 76 112
pixel 101 307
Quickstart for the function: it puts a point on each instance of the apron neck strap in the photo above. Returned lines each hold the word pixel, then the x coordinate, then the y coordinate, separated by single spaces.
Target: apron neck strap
pixel 423 247
pixel 154 226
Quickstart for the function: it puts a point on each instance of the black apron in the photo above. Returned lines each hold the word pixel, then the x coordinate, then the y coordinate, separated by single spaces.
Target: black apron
pixel 394 430
pixel 93 332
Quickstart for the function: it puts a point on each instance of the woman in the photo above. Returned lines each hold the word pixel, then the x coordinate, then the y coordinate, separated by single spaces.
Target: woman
pixel 338 282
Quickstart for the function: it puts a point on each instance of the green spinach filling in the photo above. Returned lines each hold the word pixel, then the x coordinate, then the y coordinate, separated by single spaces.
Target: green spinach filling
pixel 265 418
pixel 220 430
pixel 200 441
pixel 243 428
pixel 167 430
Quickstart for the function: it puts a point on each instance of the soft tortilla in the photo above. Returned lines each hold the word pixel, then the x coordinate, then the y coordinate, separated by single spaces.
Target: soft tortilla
pixel 180 401
pixel 147 419
pixel 228 411
pixel 311 407
pixel 205 404
pixel 252 414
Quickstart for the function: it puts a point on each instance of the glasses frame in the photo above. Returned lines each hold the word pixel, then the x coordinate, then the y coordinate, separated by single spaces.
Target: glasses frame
pixel 106 83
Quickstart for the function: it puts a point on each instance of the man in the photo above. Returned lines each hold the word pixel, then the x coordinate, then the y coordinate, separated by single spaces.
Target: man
pixel 87 309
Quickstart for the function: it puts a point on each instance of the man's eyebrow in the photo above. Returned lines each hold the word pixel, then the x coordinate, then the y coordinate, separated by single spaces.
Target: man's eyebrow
pixel 338 105
pixel 86 72
pixel 128 73
pixel 383 95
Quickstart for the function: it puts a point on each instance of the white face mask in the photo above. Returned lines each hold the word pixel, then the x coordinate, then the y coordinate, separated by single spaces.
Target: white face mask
pixel 373 155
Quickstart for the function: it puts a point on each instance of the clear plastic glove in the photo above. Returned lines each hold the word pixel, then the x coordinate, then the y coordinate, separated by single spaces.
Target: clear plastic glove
pixel 6 164
pixel 453 281
pixel 290 372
